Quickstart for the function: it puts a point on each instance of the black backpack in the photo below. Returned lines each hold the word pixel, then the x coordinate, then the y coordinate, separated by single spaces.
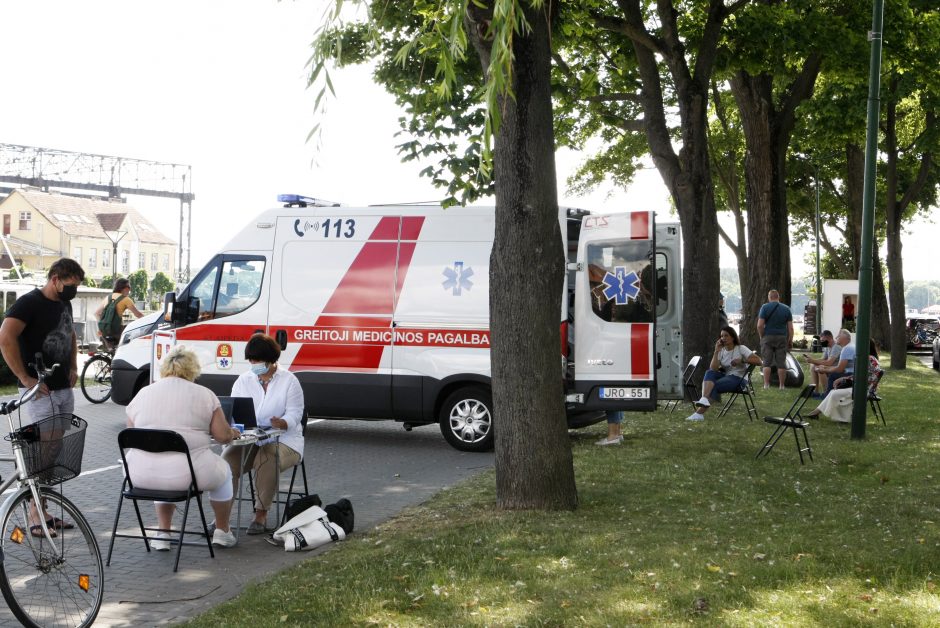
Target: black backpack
pixel 110 323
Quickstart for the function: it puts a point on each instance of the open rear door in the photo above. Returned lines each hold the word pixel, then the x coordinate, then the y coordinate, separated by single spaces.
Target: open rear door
pixel 615 312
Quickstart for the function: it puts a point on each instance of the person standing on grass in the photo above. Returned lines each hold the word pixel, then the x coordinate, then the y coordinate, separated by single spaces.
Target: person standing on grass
pixel 614 429
pixel 725 371
pixel 775 328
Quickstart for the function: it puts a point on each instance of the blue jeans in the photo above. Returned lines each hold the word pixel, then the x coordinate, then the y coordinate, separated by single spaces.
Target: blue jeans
pixel 614 416
pixel 832 380
pixel 723 383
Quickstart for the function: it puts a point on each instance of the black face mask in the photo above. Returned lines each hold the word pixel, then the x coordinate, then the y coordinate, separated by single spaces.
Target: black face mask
pixel 68 293
pixel 824 343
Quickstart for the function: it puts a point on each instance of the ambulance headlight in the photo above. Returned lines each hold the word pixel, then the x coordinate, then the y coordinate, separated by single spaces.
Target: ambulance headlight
pixel 133 334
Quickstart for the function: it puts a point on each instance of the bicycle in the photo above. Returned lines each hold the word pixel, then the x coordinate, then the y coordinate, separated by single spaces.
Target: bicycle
pixel 96 375
pixel 51 572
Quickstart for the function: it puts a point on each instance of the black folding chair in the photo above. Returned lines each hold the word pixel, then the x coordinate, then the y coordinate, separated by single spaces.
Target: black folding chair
pixel 689 389
pixel 746 392
pixel 874 399
pixel 158 441
pixel 792 421
pixel 290 492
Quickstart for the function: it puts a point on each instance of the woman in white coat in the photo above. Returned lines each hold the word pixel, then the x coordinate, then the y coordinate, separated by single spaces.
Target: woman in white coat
pixel 279 403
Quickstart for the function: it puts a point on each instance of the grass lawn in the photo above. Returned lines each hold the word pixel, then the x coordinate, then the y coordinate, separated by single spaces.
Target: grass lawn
pixel 680 524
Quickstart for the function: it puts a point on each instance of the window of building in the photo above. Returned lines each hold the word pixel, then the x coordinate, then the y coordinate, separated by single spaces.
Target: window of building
pixel 26 221
pixel 125 261
pixel 153 261
pixel 92 258
pixel 105 258
pixel 77 254
pixel 142 261
pixel 166 261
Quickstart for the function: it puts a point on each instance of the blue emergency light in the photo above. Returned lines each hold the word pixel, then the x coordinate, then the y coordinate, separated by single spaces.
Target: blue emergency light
pixel 298 200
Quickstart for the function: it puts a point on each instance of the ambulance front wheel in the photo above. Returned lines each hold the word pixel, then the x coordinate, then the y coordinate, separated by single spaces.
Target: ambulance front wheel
pixel 467 419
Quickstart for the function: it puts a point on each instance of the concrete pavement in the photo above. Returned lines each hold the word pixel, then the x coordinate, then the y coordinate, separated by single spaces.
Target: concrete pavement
pixel 377 465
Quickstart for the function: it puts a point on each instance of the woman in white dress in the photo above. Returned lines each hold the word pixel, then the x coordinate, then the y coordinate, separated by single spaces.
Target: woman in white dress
pixel 176 403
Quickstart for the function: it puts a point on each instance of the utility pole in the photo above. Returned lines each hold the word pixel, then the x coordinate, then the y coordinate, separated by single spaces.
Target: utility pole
pixel 863 320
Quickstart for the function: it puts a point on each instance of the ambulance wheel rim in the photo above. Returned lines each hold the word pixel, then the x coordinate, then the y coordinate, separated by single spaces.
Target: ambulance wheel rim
pixel 470 420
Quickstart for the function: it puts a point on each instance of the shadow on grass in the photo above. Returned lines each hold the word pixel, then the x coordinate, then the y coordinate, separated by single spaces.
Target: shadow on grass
pixel 678 524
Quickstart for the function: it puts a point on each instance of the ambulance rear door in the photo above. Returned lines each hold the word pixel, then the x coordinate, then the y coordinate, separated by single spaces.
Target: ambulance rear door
pixel 615 313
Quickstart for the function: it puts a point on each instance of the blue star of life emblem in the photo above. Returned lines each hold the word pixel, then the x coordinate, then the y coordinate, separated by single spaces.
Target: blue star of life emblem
pixel 223 363
pixel 621 286
pixel 458 278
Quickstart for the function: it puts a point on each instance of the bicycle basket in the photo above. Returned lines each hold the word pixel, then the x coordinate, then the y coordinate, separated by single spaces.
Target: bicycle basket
pixel 53 447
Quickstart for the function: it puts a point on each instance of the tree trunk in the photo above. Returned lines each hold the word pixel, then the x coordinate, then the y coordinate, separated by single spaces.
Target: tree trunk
pixel 893 234
pixel 767 132
pixel 534 467
pixel 854 192
pixel 880 325
pixel 687 174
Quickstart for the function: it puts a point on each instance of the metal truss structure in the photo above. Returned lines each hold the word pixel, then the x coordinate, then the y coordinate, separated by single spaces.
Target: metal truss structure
pixel 47 168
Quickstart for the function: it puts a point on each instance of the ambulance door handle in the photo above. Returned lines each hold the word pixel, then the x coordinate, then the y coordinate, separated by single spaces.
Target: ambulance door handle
pixel 281 337
pixel 659 360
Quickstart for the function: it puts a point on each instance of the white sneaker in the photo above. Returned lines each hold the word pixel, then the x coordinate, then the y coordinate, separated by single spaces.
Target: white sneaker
pixel 695 416
pixel 612 441
pixel 222 538
pixel 704 402
pixel 160 542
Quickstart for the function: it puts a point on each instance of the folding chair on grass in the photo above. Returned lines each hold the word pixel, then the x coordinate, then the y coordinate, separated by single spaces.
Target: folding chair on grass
pixel 689 389
pixel 792 421
pixel 746 392
pixel 874 399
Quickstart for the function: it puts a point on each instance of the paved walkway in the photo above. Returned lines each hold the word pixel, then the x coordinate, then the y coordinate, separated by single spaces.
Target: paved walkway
pixel 377 465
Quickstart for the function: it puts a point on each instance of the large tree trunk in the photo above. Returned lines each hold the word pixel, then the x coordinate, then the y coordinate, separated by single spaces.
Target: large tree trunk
pixel 687 174
pixel 880 322
pixel 534 467
pixel 767 132
pixel 854 192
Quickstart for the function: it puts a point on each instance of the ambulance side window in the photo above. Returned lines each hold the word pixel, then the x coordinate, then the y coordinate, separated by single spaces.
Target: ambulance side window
pixel 620 278
pixel 240 286
pixel 204 289
pixel 662 285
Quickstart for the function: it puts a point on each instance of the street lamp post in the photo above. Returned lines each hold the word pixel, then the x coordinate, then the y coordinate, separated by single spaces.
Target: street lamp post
pixel 115 236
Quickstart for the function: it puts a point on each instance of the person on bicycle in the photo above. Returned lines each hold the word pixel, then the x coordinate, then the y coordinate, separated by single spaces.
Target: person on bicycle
pixel 40 322
pixel 123 302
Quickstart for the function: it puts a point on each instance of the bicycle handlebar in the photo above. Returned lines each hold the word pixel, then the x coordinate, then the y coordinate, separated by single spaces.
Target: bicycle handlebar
pixel 42 373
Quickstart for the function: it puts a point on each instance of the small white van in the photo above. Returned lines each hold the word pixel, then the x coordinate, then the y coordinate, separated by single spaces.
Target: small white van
pixel 383 313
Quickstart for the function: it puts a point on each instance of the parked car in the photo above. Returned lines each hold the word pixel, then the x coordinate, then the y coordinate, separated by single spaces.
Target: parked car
pixel 936 353
pixel 922 330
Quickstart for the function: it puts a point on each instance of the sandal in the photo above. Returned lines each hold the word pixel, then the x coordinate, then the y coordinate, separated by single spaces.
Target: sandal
pixel 58 524
pixel 36 531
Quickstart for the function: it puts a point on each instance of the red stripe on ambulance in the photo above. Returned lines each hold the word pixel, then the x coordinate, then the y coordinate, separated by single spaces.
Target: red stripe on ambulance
pixel 641 350
pixel 370 286
pixel 640 226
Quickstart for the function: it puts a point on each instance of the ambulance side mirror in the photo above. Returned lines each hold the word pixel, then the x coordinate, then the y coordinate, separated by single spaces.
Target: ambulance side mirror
pixel 281 337
pixel 169 303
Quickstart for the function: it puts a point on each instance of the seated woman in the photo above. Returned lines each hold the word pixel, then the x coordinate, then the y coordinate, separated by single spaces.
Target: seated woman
pixel 279 403
pixel 175 403
pixel 725 371
pixel 838 404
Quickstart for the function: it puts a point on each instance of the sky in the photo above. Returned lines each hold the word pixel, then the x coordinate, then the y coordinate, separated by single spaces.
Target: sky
pixel 225 92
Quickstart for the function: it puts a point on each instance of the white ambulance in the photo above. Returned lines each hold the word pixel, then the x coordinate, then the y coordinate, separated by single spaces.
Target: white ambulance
pixel 383 313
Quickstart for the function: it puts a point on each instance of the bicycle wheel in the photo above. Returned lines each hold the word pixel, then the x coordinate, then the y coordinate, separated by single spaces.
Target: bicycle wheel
pixel 96 379
pixel 58 584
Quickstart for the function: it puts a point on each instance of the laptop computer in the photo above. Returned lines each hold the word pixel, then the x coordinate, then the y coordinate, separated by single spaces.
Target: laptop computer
pixel 239 410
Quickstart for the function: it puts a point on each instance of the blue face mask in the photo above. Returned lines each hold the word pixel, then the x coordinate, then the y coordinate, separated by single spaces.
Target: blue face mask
pixel 259 369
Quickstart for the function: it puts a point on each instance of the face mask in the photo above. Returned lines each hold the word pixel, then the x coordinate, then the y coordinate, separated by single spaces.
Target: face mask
pixel 259 369
pixel 68 293
pixel 824 343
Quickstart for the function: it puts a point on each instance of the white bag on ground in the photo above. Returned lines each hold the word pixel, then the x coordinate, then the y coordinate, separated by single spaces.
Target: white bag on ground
pixel 309 530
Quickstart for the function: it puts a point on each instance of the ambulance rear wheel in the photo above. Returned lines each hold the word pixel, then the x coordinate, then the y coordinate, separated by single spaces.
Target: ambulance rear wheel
pixel 467 419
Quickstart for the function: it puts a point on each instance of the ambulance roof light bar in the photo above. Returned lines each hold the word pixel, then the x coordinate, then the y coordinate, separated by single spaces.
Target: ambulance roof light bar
pixel 296 200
